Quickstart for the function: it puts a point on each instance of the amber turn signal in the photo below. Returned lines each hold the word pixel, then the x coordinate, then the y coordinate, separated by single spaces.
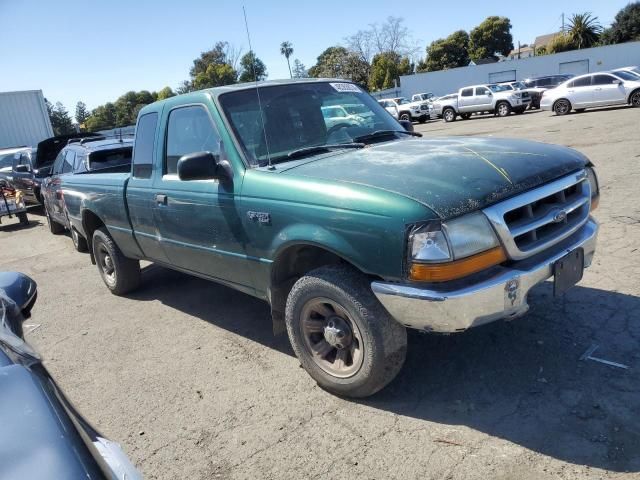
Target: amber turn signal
pixel 595 201
pixel 442 272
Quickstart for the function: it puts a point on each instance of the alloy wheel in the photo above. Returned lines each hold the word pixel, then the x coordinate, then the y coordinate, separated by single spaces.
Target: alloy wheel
pixel 331 337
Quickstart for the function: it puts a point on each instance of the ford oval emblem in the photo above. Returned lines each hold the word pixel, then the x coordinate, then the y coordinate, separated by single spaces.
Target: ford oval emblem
pixel 560 216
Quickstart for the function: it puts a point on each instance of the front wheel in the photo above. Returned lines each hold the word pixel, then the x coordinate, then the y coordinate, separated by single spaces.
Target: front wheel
pixel 405 116
pixel 634 100
pixel 119 273
pixel 54 227
pixel 562 107
pixel 79 243
pixel 503 109
pixel 341 334
pixel 449 115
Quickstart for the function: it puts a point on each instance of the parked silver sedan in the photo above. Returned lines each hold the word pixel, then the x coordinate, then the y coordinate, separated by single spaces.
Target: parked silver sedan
pixel 593 90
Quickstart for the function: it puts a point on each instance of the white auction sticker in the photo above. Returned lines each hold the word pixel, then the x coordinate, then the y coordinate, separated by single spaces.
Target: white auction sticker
pixel 346 87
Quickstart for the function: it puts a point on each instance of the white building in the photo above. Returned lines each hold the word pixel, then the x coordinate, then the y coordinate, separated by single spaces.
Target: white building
pixel 23 119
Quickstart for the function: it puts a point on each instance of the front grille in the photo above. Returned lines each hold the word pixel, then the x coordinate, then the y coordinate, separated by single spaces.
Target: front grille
pixel 525 95
pixel 537 219
pixel 424 107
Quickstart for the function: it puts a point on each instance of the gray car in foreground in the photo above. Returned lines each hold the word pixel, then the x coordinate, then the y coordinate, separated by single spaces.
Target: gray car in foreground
pixel 42 436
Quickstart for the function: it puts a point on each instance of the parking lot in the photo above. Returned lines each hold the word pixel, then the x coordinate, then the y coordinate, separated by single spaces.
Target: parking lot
pixel 188 378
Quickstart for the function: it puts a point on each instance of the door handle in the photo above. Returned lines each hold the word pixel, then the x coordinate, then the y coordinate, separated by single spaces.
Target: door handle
pixel 598 89
pixel 161 199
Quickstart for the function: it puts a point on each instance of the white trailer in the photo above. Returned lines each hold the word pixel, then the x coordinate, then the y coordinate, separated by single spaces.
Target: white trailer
pixel 24 120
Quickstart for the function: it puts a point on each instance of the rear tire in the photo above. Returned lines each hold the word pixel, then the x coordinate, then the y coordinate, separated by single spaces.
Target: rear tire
pixel 54 227
pixel 449 115
pixel 503 109
pixel 120 274
pixel 562 107
pixel 342 335
pixel 79 243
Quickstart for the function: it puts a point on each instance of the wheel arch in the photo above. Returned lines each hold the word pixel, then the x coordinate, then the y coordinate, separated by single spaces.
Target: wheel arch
pixel 90 223
pixel 293 261
pixel 633 92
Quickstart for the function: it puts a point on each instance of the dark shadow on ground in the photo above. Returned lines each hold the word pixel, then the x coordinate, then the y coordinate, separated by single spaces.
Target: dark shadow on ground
pixel 522 381
pixel 15 225
pixel 219 305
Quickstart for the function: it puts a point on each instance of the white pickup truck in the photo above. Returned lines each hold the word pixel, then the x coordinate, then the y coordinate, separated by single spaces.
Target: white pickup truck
pixel 497 99
pixel 402 109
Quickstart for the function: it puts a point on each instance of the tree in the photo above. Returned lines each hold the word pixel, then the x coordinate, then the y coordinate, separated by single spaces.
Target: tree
pixel 81 113
pixel 445 53
pixel 338 62
pixel 250 64
pixel 561 43
pixel 584 30
pixel 185 87
pixel 386 69
pixel 286 49
pixel 492 36
pixel 213 68
pixel 625 27
pixel 60 119
pixel 102 118
pixel 165 93
pixel 299 70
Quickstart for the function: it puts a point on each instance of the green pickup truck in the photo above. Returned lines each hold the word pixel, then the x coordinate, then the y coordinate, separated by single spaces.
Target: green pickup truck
pixel 352 232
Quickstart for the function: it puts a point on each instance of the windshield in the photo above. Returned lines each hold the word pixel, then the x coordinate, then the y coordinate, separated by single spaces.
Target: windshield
pixel 293 118
pixel 401 101
pixel 519 85
pixel 500 88
pixel 623 74
pixel 6 160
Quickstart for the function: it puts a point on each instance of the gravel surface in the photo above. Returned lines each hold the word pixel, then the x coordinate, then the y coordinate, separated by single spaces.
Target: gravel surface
pixel 187 376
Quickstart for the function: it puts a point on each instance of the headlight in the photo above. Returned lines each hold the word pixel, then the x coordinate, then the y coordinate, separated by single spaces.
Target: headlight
pixel 453 249
pixel 595 187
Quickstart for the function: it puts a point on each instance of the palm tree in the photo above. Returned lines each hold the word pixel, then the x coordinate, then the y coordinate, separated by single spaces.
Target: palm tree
pixel 584 30
pixel 286 49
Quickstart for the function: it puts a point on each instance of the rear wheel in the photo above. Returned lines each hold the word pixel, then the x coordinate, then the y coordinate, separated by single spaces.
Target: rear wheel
pixel 503 109
pixel 341 334
pixel 79 243
pixel 54 227
pixel 562 107
pixel 119 273
pixel 449 115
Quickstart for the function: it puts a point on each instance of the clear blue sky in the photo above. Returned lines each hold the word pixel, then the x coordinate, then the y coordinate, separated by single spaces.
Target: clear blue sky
pixel 95 51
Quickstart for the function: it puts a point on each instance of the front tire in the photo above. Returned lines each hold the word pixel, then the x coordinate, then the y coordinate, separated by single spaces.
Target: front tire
pixel 54 227
pixel 79 243
pixel 120 274
pixel 503 109
pixel 449 115
pixel 405 116
pixel 562 107
pixel 341 334
pixel 634 99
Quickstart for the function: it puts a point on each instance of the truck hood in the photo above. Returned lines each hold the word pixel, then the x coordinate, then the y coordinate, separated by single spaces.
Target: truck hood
pixel 451 176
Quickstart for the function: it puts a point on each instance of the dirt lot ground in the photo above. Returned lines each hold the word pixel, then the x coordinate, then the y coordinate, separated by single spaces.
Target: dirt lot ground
pixel 186 375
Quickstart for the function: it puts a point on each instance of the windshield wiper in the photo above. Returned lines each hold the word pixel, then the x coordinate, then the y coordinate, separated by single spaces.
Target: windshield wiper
pixel 384 133
pixel 321 148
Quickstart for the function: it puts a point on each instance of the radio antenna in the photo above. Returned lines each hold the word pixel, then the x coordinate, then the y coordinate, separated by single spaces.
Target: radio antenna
pixel 255 78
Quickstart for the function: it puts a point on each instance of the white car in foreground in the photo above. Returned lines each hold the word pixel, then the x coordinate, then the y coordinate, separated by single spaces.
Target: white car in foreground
pixel 593 90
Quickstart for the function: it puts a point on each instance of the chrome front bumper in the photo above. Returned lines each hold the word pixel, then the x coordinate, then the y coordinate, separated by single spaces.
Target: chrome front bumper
pixel 501 293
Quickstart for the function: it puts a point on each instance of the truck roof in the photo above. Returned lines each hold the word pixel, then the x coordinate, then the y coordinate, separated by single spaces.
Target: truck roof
pixel 217 91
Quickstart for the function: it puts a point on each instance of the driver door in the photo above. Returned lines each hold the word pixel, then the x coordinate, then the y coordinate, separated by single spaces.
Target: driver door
pixel 198 221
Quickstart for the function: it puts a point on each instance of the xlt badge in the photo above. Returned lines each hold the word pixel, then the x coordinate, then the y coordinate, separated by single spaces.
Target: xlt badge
pixel 260 217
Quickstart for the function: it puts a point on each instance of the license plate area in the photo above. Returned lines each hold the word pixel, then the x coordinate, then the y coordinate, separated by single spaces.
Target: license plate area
pixel 568 271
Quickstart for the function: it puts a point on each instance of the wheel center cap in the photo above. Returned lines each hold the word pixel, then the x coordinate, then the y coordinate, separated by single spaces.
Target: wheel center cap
pixel 337 332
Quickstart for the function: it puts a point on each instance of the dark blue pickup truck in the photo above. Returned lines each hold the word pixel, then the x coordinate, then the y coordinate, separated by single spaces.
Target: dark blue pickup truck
pixel 352 231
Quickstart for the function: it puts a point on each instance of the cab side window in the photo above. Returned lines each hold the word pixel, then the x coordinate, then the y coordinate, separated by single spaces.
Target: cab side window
pixel 467 92
pixel 69 160
pixel 143 148
pixel 482 91
pixel 189 130
pixel 57 164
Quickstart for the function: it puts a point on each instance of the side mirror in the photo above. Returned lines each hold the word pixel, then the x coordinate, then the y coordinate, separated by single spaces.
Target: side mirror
pixel 199 166
pixel 617 82
pixel 22 169
pixel 407 125
pixel 489 94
